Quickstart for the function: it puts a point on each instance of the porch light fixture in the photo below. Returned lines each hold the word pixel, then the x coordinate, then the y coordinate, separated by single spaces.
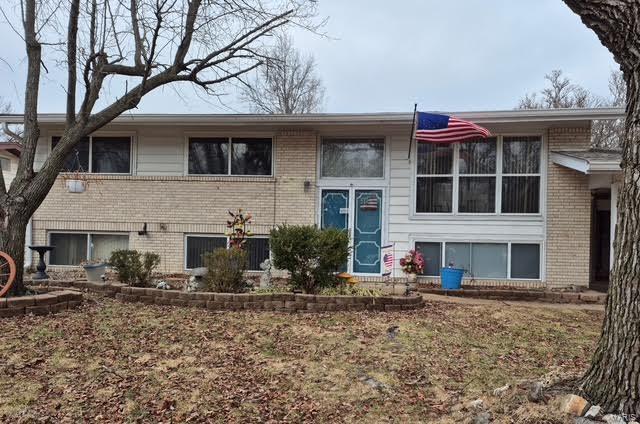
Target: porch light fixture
pixel 144 230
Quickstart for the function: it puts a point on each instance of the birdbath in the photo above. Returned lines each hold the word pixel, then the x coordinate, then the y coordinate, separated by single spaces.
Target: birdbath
pixel 41 274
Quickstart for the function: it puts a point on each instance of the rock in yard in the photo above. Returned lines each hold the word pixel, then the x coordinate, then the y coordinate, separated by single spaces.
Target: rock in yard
pixel 614 419
pixel 476 404
pixel 501 390
pixel 593 412
pixel 536 392
pixel 482 418
pixel 392 332
pixel 374 384
pixel 574 405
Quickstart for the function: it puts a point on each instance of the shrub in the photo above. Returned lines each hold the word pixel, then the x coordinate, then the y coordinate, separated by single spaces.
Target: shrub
pixel 311 255
pixel 134 268
pixel 225 270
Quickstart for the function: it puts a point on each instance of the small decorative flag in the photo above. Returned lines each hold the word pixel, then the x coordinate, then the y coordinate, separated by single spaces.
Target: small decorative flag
pixel 435 128
pixel 387 259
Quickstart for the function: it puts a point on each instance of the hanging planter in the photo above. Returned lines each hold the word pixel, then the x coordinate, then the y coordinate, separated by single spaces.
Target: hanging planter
pixel 76 186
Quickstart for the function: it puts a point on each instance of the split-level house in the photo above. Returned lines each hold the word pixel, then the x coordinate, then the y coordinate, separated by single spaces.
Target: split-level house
pixel 530 206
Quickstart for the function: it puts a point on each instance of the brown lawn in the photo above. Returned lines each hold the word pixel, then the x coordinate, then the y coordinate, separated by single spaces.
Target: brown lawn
pixel 112 362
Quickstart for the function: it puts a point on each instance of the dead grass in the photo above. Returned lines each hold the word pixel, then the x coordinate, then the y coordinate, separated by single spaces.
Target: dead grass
pixel 112 362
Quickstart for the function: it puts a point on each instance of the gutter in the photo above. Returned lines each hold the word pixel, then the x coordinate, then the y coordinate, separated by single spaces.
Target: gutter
pixel 397 118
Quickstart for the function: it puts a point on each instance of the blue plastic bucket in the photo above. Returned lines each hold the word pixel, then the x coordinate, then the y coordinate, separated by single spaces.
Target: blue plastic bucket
pixel 451 278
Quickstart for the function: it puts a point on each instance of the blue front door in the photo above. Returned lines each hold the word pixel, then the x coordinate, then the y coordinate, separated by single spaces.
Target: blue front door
pixel 359 212
pixel 367 231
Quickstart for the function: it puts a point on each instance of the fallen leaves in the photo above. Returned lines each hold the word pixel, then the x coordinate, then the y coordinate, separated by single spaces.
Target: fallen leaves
pixel 112 362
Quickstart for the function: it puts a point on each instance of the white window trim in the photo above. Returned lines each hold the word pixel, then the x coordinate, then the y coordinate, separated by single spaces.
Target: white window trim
pixel 414 215
pixel 88 235
pixel 189 136
pixel 132 152
pixel 361 180
pixel 216 235
pixel 509 243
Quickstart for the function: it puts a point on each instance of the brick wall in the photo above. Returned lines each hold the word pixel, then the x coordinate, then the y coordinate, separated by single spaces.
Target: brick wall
pixel 174 205
pixel 568 213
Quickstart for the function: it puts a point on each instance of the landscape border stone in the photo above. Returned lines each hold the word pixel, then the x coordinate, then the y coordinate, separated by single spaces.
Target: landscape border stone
pixel 48 300
pixel 521 295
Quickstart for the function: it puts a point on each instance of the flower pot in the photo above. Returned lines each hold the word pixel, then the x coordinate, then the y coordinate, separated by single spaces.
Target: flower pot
pixel 95 272
pixel 412 278
pixel 76 186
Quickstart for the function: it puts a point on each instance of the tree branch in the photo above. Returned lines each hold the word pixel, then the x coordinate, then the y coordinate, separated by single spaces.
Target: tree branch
pixel 72 66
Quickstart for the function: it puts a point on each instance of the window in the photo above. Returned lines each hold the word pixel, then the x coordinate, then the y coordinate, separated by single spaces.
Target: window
pixel 258 250
pixel 251 156
pixel 435 178
pixel 230 156
pixel 100 155
pixel 432 253
pixel 521 175
pixel 465 177
pixel 352 158
pixel 477 183
pixel 483 260
pixel 525 261
pixel 73 248
pixel 197 246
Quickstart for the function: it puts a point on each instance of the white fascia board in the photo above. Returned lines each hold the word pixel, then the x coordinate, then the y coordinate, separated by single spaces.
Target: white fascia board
pixel 487 117
pixel 570 162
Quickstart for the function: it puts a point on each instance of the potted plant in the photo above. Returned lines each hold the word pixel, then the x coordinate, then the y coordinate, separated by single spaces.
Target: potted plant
pixel 95 269
pixel 412 264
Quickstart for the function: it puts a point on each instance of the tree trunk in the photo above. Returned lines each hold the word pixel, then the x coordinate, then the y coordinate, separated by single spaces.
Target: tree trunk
pixel 12 241
pixel 613 380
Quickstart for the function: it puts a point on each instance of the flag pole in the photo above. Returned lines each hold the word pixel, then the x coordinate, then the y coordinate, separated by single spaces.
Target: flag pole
pixel 413 129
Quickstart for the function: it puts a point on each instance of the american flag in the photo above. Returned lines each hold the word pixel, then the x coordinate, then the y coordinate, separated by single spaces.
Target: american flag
pixel 435 128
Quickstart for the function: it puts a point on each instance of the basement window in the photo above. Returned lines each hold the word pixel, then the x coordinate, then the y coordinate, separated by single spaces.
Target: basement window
pixel 196 246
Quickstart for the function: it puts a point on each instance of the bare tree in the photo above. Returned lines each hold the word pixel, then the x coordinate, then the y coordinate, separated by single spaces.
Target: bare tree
pixel 562 93
pixel 613 380
pixel 287 83
pixel 140 45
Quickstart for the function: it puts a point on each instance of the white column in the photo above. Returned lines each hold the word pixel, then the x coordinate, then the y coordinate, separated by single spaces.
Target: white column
pixel 614 219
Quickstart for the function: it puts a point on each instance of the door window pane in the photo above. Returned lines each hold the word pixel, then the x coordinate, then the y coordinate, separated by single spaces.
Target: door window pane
pixel 70 249
pixel 258 251
pixel 251 156
pixel 208 156
pixel 525 261
pixel 458 255
pixel 478 157
pixel 521 155
pixel 111 155
pixel 103 244
pixel 520 194
pixel 433 194
pixel 432 253
pixel 477 195
pixel 435 159
pixel 489 260
pixel 78 159
pixel 198 246
pixel 353 158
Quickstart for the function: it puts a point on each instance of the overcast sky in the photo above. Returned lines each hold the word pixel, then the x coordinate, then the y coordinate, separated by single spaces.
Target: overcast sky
pixel 385 55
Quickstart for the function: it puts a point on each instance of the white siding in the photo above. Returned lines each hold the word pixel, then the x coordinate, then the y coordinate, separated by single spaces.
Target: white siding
pixel 404 228
pixel 160 152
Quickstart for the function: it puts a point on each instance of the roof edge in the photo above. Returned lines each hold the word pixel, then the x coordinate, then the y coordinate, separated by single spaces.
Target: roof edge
pixel 497 116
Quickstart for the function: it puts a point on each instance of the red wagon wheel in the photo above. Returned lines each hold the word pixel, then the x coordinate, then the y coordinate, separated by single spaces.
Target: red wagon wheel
pixel 7 273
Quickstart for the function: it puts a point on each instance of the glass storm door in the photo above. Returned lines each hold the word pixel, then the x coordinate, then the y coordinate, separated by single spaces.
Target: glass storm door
pixel 360 213
pixel 367 231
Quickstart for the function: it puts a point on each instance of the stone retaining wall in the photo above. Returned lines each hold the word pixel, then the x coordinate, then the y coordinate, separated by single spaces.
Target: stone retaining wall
pixel 40 304
pixel 522 295
pixel 286 302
